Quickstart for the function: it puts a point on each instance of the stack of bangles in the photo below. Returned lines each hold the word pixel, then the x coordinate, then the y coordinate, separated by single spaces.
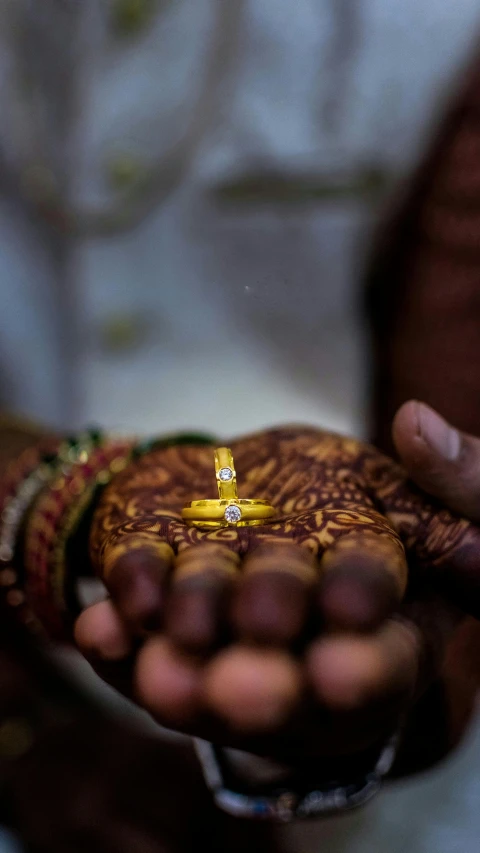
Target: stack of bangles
pixel 45 494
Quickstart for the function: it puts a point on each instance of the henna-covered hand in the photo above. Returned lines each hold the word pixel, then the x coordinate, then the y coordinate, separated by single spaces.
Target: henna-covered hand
pixel 279 625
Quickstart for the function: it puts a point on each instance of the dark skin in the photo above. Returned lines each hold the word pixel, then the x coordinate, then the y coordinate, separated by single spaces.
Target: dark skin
pixel 444 461
pixel 260 679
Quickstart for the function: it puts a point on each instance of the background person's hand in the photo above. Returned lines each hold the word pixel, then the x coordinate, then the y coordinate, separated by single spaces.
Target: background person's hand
pixel 445 463
pixel 283 628
pixel 442 460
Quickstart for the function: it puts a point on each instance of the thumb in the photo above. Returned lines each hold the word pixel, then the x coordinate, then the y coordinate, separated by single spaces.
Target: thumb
pixel 439 458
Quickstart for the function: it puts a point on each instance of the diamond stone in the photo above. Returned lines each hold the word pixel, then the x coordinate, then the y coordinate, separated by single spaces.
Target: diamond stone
pixel 233 514
pixel 225 474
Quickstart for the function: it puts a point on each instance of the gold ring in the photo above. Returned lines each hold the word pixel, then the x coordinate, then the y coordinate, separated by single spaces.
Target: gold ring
pixel 228 510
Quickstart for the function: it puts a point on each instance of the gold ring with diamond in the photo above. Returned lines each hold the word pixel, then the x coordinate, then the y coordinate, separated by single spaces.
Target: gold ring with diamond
pixel 228 510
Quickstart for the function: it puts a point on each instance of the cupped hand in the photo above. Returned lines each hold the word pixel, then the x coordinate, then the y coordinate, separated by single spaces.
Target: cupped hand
pixel 288 627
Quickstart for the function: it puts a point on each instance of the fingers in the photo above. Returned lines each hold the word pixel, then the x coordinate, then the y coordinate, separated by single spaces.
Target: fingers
pixel 440 459
pixel 199 597
pixel 350 672
pixel 363 579
pixel 136 573
pixel 212 598
pixel 106 643
pixel 207 598
pixel 252 689
pixel 271 598
pixel 249 690
pixel 167 683
pixel 100 633
pixel 272 601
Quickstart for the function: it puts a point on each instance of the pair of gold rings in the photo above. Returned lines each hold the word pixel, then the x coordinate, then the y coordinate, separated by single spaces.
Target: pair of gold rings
pixel 228 510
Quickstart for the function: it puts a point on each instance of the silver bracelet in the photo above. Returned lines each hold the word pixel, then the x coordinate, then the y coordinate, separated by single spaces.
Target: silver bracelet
pixel 288 805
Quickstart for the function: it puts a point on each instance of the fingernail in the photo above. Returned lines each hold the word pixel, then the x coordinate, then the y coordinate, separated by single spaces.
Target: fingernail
pixel 438 434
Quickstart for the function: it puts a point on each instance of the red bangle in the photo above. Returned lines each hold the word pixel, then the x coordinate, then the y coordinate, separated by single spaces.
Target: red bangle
pixel 55 515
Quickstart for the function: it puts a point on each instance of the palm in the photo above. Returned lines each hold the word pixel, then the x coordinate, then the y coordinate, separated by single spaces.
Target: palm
pixel 323 487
